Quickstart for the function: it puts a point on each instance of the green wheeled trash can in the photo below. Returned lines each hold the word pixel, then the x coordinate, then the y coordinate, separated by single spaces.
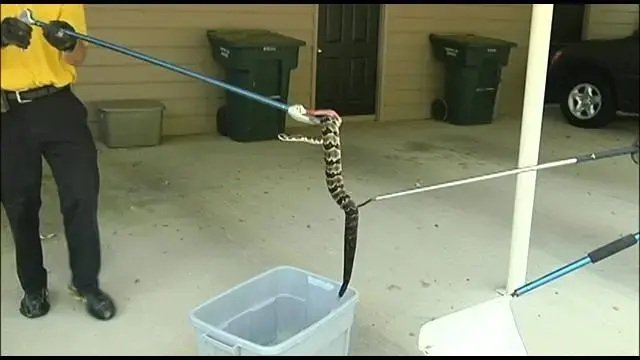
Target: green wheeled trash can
pixel 259 61
pixel 473 68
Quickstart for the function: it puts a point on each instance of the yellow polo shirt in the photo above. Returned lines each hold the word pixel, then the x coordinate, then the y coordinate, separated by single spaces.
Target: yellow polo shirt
pixel 41 64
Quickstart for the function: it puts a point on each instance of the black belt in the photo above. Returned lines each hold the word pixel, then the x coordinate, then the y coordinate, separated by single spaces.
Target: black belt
pixel 26 96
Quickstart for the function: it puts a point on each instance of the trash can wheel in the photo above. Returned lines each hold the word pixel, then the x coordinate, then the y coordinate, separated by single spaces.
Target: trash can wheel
pixel 221 118
pixel 439 109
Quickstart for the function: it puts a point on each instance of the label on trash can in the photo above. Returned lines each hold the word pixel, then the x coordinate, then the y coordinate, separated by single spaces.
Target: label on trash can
pixel 224 52
pixel 490 50
pixel 450 51
pixel 269 48
pixel 485 89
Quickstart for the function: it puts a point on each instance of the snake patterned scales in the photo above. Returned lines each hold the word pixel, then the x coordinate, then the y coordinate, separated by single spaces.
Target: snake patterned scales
pixel 330 141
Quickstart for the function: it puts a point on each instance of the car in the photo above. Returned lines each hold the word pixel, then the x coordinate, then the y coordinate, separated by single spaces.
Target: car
pixel 594 80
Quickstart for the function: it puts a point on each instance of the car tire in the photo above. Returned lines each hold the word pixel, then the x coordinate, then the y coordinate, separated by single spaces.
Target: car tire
pixel 594 84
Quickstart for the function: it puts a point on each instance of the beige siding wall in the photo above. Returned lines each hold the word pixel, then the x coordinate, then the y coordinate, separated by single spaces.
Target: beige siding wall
pixel 413 78
pixel 176 33
pixel 604 21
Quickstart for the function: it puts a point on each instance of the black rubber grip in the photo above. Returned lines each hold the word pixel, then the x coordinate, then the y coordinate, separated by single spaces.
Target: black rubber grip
pixel 606 154
pixel 612 248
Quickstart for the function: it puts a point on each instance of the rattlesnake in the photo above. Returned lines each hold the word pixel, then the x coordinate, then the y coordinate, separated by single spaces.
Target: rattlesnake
pixel 330 141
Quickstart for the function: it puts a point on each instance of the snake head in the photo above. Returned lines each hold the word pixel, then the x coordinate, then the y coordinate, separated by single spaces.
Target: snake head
pixel 326 116
pixel 322 113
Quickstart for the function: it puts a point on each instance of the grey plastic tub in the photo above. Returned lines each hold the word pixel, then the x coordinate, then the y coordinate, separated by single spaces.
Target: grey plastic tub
pixel 130 123
pixel 285 311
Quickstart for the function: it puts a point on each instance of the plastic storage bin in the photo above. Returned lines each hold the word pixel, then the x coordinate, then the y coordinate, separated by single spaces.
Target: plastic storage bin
pixel 130 123
pixel 260 61
pixel 473 66
pixel 283 312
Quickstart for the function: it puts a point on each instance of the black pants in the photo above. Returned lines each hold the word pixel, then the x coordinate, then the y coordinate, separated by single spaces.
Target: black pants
pixel 54 127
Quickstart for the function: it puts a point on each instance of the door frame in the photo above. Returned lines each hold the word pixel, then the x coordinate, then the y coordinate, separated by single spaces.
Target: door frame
pixel 586 21
pixel 382 45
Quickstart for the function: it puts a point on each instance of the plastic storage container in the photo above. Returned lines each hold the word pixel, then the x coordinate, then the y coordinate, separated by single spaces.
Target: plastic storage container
pixel 260 61
pixel 130 123
pixel 283 312
pixel 473 66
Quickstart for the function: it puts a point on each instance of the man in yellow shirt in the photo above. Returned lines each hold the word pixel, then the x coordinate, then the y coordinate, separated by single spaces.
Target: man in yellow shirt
pixel 43 118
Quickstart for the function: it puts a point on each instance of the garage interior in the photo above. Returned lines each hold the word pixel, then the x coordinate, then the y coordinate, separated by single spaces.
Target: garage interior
pixel 199 214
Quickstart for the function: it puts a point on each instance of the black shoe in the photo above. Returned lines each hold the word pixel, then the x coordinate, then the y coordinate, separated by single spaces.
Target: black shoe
pixel 99 304
pixel 35 304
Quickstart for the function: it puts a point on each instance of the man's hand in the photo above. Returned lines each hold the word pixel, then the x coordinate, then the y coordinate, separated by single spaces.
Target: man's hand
pixel 15 32
pixel 57 38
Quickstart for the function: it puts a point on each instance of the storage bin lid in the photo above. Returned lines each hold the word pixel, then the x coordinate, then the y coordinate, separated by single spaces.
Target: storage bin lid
pixel 471 40
pixel 130 105
pixel 252 38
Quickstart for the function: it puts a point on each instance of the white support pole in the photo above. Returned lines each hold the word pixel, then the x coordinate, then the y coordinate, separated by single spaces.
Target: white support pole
pixel 530 130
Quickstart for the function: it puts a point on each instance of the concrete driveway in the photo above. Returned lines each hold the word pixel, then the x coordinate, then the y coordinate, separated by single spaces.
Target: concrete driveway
pixel 187 220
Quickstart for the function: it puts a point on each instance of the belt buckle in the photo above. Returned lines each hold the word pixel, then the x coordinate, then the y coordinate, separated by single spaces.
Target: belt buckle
pixel 20 100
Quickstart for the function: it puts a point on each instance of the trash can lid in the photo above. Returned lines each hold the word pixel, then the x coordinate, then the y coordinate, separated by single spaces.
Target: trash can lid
pixel 253 38
pixel 130 105
pixel 472 40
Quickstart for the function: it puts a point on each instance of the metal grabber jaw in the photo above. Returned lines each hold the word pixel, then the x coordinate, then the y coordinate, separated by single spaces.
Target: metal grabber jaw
pixel 299 113
pixel 26 16
pixel 311 116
